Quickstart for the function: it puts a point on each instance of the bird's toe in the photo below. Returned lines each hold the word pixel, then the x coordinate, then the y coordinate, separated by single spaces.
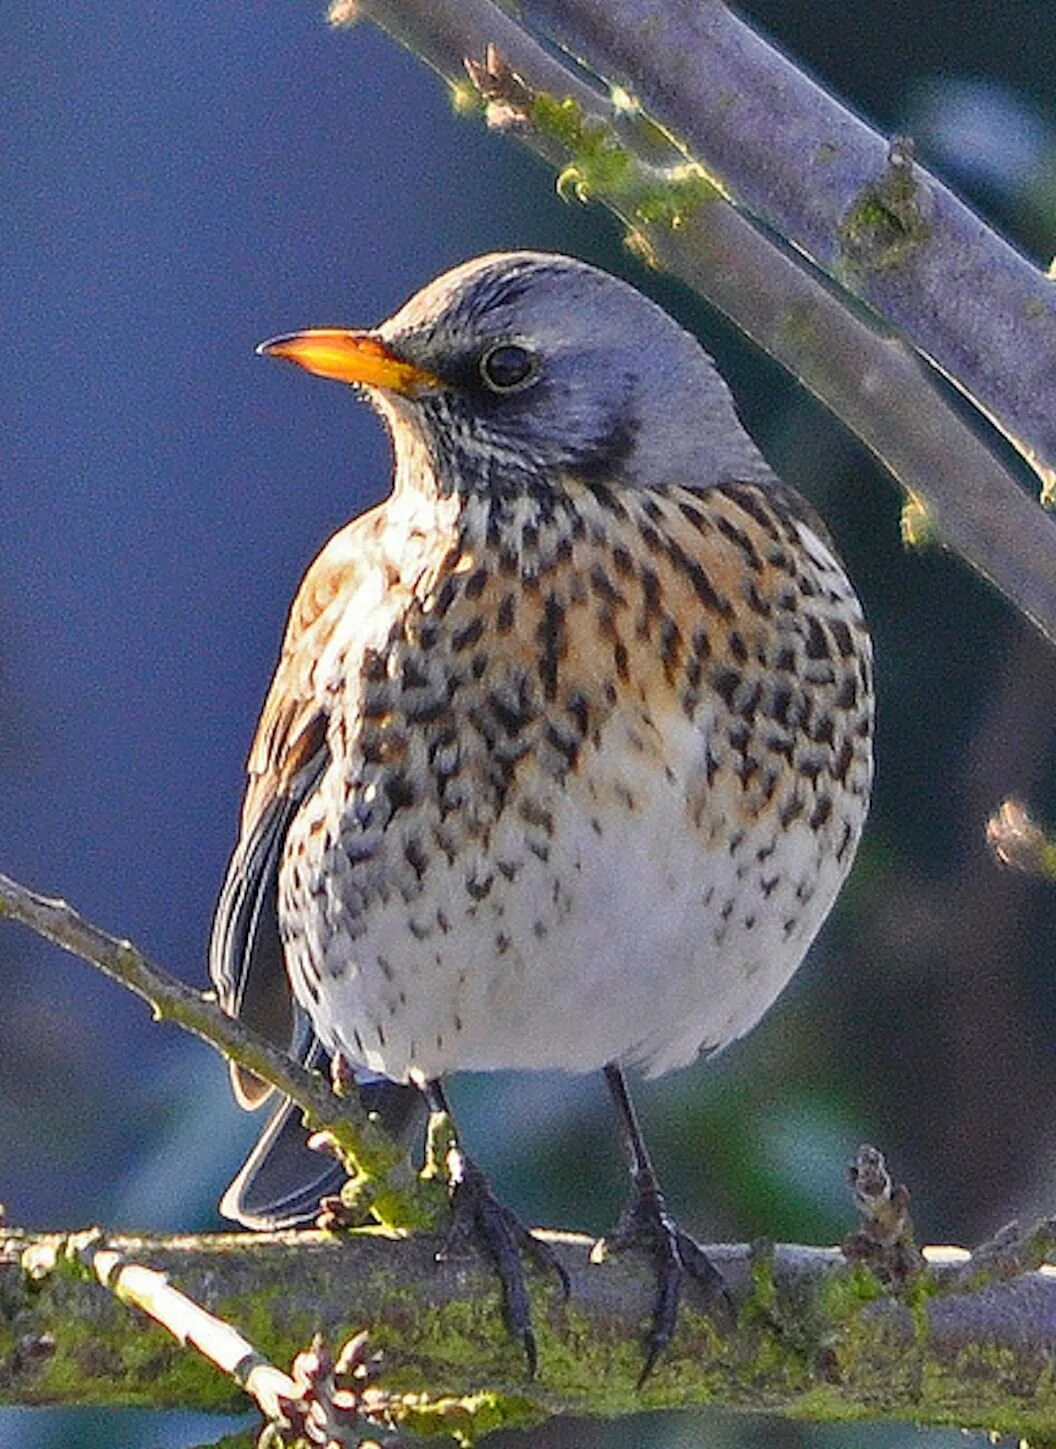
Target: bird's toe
pixel 480 1220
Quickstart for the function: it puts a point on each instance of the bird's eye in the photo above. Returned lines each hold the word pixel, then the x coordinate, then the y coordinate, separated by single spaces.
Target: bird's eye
pixel 508 366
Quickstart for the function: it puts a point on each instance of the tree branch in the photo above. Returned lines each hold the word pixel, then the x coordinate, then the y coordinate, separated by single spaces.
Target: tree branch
pixel 870 381
pixel 814 1337
pixel 792 155
pixel 372 1158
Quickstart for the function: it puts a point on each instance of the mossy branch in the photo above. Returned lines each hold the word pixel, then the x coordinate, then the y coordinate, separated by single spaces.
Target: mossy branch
pixel 816 1337
pixel 675 207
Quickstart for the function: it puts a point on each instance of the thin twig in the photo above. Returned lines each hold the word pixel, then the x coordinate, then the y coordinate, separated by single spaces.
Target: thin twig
pixel 364 1146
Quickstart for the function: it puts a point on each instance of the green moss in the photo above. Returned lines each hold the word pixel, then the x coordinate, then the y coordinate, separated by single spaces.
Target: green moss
pixel 916 523
pixel 846 1291
pixel 1047 495
pixel 601 167
pixel 467 1417
pixel 884 225
pixel 762 1301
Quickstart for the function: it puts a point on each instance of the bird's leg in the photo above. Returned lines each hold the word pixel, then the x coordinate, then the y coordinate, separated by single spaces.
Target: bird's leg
pixel 646 1223
pixel 479 1217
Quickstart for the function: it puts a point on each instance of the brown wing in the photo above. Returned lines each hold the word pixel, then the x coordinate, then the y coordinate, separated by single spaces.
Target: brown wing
pixel 288 756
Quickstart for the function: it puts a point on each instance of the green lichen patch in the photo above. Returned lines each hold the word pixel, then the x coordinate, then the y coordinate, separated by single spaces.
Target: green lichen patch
pixel 916 524
pixel 885 223
pixel 600 167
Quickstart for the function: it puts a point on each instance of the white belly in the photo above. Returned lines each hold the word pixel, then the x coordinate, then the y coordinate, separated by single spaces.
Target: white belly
pixel 610 925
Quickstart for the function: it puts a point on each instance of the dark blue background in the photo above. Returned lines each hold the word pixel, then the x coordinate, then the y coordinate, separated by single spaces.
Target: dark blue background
pixel 184 180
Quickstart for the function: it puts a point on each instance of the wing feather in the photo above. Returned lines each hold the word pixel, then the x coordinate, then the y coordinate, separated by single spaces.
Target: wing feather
pixel 286 761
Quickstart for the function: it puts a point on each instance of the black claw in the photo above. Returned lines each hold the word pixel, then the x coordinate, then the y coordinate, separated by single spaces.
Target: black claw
pixel 479 1217
pixel 646 1224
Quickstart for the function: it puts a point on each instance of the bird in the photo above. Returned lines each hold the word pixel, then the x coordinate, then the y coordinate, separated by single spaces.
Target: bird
pixel 569 746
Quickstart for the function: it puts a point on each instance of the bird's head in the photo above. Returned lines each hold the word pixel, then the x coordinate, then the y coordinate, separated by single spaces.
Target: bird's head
pixel 518 368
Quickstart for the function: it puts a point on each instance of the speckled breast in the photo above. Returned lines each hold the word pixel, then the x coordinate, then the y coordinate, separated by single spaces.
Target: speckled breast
pixel 592 790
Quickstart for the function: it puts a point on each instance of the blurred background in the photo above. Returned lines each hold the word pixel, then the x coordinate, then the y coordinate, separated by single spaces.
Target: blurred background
pixel 184 180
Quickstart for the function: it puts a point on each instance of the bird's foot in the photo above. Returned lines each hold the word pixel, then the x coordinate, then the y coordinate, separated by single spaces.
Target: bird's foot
pixel 479 1218
pixel 646 1224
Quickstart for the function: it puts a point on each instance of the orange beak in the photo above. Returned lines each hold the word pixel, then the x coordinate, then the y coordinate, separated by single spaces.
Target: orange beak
pixel 352 357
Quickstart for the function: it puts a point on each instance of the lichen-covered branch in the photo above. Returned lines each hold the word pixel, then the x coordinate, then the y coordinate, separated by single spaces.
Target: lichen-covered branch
pixel 815 1336
pixel 369 1154
pixel 681 222
pixel 883 227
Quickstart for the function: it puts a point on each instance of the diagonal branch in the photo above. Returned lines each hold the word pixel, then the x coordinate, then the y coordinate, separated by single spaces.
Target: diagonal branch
pixel 792 155
pixel 369 1154
pixel 870 381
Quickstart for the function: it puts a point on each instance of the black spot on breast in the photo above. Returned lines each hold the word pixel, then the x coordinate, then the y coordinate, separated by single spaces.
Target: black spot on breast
pixel 780 704
pixel 622 559
pixel 512 710
pixel 415 856
pixel 446 596
pixel 377 702
pixel 426 711
pixel 603 587
pixel 506 613
pixel 823 731
pixel 725 683
pixel 817 646
pixel 604 495
pixel 553 643
pixel 650 592
pixel 398 791
pixel 670 647
pixel 842 636
pixel 743 542
pixel 577 706
pixel 567 748
pixel 848 695
pixel 415 676
pixel 478 886
pixel 821 813
pixel 791 812
pixel 702 585
pixel 476 582
pixel 748 501
pixel 375 666
pixel 756 602
pixel 693 515
pixel 467 635
pixel 842 763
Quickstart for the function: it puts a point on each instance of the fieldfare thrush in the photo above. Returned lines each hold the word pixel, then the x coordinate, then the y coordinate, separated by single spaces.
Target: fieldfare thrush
pixel 568 749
